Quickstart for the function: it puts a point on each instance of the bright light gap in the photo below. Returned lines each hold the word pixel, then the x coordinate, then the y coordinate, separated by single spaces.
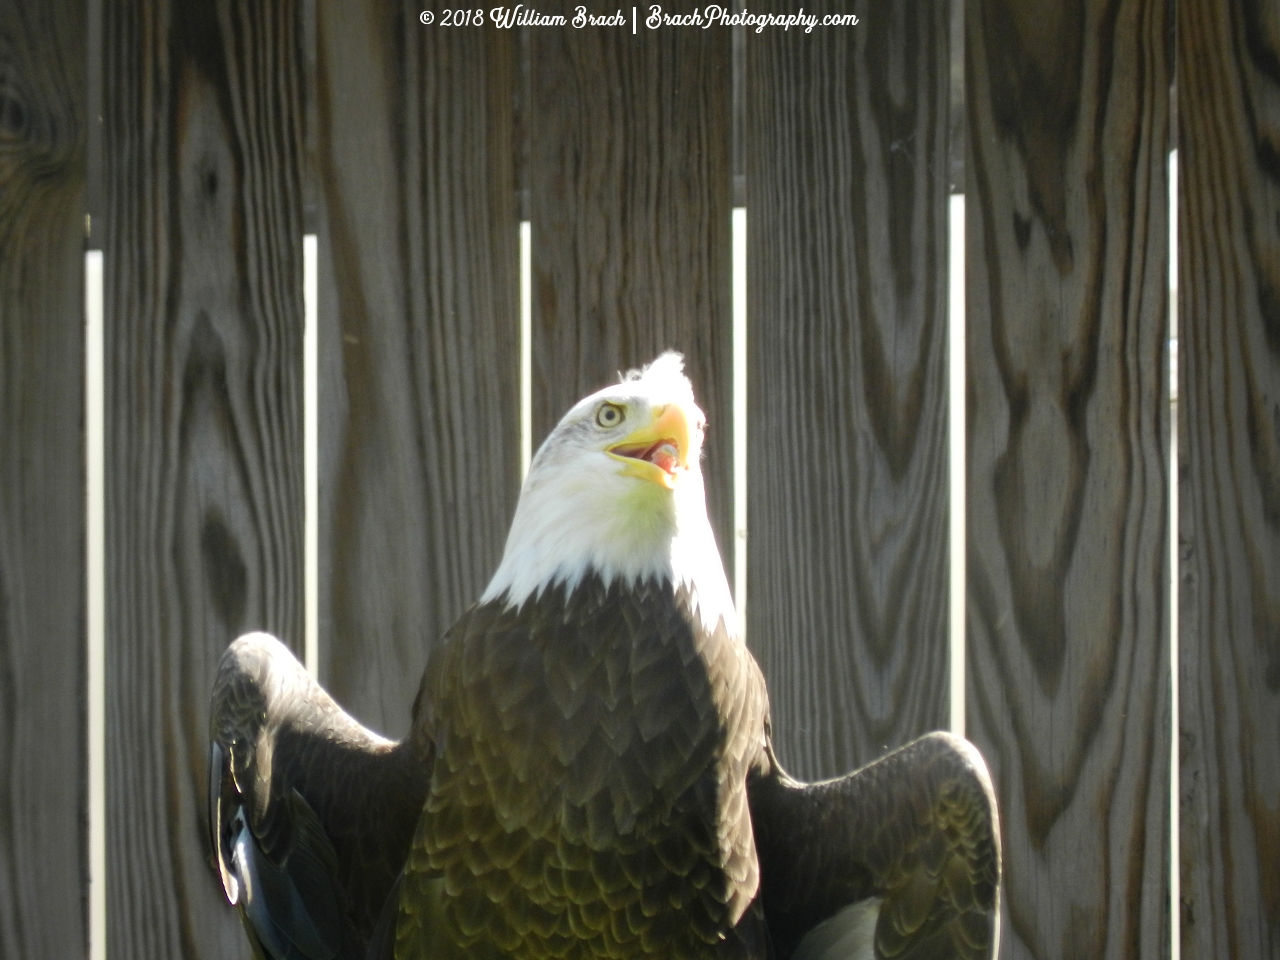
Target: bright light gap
pixel 956 428
pixel 739 231
pixel 526 351
pixel 95 579
pixel 311 453
pixel 1175 875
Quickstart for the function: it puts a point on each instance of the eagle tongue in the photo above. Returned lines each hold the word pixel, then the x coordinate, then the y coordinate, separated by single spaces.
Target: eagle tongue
pixel 664 456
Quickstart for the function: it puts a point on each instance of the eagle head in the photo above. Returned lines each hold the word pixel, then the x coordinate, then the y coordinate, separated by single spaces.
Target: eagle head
pixel 616 490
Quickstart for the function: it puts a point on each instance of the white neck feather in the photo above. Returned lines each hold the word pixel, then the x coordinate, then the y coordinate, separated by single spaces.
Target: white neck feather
pixel 591 518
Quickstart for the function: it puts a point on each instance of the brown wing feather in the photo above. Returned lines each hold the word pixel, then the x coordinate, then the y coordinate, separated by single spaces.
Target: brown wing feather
pixel 918 828
pixel 324 797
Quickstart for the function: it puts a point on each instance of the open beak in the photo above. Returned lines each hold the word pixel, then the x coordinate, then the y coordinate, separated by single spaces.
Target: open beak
pixel 658 452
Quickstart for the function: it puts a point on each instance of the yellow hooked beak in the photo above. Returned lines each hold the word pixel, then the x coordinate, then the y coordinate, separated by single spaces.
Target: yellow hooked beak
pixel 658 452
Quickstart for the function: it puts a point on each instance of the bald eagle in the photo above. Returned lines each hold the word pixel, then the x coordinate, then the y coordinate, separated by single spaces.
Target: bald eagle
pixel 589 772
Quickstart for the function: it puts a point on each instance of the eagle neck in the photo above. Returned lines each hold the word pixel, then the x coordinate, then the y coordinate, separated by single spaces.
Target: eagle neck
pixel 564 540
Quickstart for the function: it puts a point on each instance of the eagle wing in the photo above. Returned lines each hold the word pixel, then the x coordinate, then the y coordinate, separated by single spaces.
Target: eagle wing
pixel 900 859
pixel 310 813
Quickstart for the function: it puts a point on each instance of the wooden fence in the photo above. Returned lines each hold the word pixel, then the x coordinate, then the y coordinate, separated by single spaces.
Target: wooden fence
pixel 205 137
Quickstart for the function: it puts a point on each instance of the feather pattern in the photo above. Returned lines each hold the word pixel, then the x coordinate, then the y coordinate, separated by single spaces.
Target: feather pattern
pixel 587 799
pixel 918 830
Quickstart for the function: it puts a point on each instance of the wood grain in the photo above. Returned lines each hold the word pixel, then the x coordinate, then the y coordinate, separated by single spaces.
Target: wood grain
pixel 1067 277
pixel 630 210
pixel 1229 477
pixel 43 856
pixel 202 148
pixel 420 339
pixel 847 349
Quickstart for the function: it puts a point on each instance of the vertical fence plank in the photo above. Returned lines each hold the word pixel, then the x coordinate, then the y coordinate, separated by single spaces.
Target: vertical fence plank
pixel 847 468
pixel 1068 391
pixel 202 147
pixel 420 338
pixel 1229 477
pixel 630 211
pixel 42 500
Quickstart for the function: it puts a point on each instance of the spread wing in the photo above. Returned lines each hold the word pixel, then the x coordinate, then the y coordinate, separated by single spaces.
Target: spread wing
pixel 310 814
pixel 900 859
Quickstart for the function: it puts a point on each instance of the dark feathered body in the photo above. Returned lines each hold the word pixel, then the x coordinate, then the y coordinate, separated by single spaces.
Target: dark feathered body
pixel 589 792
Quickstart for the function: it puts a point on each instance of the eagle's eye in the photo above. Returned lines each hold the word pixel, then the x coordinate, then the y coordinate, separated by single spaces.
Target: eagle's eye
pixel 610 415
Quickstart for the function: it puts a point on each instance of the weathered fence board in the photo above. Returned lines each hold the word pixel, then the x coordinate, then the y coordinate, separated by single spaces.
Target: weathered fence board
pixel 846 147
pixel 1229 477
pixel 1067 280
pixel 420 339
pixel 629 183
pixel 42 502
pixel 203 302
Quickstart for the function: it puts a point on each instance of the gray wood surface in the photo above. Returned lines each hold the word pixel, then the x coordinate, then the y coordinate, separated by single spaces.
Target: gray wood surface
pixel 1229 477
pixel 630 208
pixel 1067 287
pixel 42 587
pixel 420 339
pixel 847 350
pixel 204 425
